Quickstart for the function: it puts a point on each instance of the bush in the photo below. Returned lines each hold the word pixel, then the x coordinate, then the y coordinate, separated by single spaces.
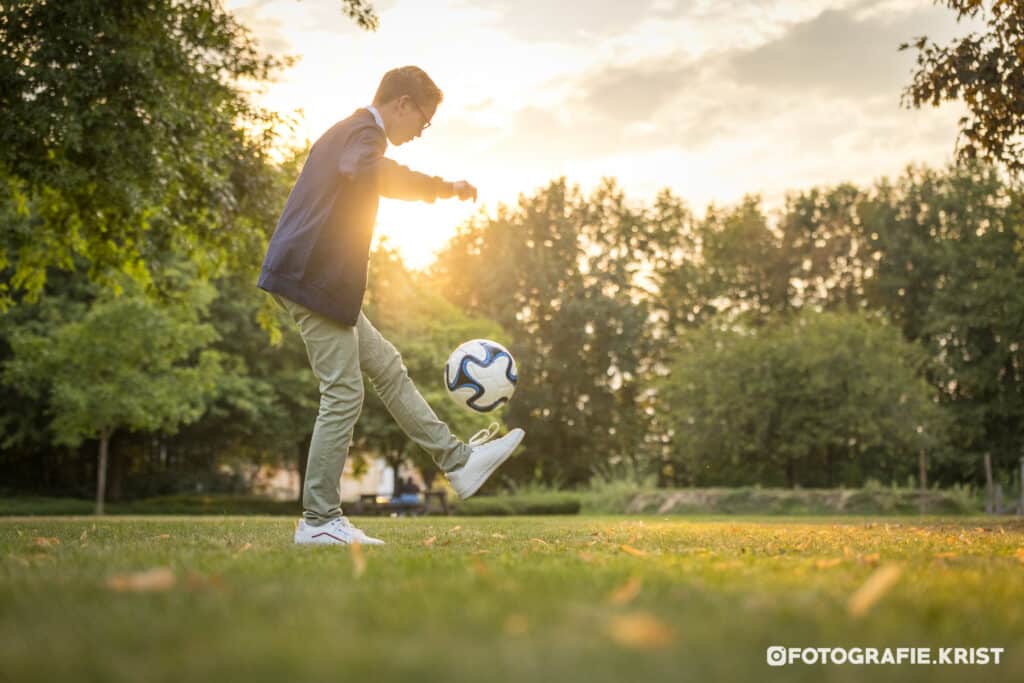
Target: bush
pixel 526 504
pixel 209 505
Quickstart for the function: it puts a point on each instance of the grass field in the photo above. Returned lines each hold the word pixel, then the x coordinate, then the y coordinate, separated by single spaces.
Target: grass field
pixel 482 599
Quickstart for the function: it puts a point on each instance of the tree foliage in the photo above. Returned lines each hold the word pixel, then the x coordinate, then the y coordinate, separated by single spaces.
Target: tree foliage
pixel 816 399
pixel 562 273
pixel 127 138
pixel 986 72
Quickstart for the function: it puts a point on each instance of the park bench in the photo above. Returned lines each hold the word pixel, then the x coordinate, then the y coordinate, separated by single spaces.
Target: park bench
pixel 372 504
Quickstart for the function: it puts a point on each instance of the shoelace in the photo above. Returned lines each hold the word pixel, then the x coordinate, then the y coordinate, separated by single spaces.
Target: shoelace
pixel 484 435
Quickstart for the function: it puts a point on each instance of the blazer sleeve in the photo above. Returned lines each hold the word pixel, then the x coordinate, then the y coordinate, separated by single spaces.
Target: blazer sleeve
pixel 363 157
pixel 400 182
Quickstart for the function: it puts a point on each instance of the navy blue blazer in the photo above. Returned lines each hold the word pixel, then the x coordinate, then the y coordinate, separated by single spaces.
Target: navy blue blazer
pixel 319 253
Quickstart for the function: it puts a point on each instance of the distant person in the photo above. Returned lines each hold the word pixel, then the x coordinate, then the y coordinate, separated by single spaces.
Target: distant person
pixel 408 492
pixel 410 486
pixel 316 267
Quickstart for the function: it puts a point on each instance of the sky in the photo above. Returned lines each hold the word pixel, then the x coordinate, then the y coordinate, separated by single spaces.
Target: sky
pixel 713 99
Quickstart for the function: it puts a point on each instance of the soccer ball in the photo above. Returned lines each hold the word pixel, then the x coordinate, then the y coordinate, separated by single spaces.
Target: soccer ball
pixel 480 375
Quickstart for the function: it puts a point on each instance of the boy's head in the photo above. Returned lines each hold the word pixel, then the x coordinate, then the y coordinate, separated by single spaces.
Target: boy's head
pixel 406 100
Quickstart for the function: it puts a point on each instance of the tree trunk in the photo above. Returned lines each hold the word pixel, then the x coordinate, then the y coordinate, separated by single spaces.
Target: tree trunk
pixel 115 472
pixel 1020 506
pixel 790 474
pixel 988 484
pixel 101 471
pixel 922 470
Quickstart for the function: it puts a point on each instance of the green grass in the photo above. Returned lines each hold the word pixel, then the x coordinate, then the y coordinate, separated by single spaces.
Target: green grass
pixel 529 599
pixel 621 497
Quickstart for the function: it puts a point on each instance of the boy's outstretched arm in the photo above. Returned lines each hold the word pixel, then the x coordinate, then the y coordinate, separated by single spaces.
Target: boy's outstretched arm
pixel 364 158
pixel 401 182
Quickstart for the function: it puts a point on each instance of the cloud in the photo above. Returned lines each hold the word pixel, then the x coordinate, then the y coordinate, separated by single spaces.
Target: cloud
pixel 839 61
pixel 636 92
pixel 842 53
pixel 542 21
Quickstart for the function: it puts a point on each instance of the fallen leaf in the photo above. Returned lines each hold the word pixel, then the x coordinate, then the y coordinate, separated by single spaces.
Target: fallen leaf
pixel 44 542
pixel 826 563
pixel 481 552
pixel 158 579
pixel 946 556
pixel 978 528
pixel 245 547
pixel 358 560
pixel 455 528
pixel 430 541
pixel 197 581
pixel 497 535
pixel 633 551
pixel 640 630
pixel 540 540
pixel 516 625
pixel 877 585
pixel 162 537
pixel 627 592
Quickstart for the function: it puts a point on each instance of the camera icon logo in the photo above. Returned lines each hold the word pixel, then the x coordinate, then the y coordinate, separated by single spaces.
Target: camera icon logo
pixel 776 655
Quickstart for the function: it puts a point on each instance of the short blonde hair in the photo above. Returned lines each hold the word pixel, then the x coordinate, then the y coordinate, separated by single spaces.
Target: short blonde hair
pixel 408 80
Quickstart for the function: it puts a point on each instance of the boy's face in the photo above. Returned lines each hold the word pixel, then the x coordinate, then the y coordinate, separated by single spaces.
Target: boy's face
pixel 412 119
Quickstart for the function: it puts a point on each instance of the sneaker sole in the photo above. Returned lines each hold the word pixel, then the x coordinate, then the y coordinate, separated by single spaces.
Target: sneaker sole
pixel 330 539
pixel 488 472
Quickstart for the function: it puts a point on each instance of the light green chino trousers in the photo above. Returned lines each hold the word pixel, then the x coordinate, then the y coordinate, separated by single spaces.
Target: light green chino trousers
pixel 339 354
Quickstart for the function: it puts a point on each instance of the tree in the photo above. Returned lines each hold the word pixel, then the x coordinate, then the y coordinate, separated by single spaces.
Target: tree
pixel 944 251
pixel 812 399
pixel 124 363
pixel 564 275
pixel 986 72
pixel 127 139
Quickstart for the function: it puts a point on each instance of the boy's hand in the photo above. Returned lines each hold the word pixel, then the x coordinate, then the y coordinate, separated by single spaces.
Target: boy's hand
pixel 463 190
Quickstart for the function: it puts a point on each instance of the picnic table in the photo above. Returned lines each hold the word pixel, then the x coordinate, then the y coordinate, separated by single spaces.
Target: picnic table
pixel 372 504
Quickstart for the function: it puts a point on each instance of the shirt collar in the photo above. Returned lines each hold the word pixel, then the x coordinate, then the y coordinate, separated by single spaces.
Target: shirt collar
pixel 376 116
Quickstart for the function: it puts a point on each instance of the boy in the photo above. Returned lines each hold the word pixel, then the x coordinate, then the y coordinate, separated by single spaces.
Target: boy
pixel 316 268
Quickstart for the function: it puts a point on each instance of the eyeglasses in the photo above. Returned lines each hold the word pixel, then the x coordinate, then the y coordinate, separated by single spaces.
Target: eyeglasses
pixel 426 121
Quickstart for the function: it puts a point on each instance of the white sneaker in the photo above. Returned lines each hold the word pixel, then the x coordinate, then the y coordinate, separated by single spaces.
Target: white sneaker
pixel 486 457
pixel 338 531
